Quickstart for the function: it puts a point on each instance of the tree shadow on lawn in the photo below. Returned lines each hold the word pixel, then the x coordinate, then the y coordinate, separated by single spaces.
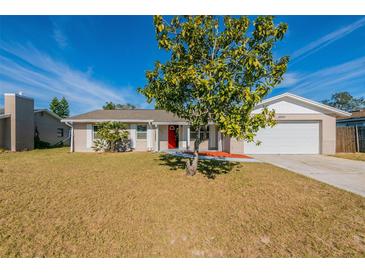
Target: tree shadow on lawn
pixel 209 168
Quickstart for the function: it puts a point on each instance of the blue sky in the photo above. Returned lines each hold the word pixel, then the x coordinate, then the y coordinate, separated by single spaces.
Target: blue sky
pixel 93 59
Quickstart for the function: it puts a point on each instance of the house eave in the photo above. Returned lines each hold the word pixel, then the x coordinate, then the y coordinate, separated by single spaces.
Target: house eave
pixel 49 112
pixel 327 109
pixel 170 123
pixel 105 120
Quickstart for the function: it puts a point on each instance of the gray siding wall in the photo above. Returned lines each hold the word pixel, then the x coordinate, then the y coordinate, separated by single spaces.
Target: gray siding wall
pixel 22 121
pixel 47 126
pixel 5 128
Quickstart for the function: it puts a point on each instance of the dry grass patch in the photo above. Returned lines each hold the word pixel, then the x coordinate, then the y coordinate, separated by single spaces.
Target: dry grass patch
pixel 351 156
pixel 57 204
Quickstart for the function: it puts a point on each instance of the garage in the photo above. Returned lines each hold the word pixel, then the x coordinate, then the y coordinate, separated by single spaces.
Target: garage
pixel 287 137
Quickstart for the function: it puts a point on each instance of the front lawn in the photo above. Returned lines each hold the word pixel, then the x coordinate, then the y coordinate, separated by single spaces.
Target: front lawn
pixel 351 156
pixel 57 204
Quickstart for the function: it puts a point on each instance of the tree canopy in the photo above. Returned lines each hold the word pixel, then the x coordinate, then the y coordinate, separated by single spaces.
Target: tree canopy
pixel 111 105
pixel 219 70
pixel 60 107
pixel 345 101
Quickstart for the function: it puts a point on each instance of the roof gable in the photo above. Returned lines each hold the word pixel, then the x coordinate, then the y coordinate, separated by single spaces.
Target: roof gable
pixel 50 113
pixel 290 103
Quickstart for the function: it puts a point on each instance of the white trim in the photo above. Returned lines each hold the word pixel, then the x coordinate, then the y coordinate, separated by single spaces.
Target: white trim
pixel 304 100
pixel 89 135
pixel 170 123
pixel 188 137
pixel 149 137
pixel 105 120
pixel 133 135
pixel 72 137
pixel 157 145
pixel 2 116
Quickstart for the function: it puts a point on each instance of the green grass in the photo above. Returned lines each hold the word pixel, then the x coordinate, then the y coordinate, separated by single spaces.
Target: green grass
pixel 57 204
pixel 351 156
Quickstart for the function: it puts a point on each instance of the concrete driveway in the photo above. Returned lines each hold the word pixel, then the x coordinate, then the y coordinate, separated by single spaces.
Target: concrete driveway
pixel 342 173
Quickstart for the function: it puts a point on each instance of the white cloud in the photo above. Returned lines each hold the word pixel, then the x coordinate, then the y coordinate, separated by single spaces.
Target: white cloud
pixel 335 78
pixel 326 40
pixel 59 37
pixel 41 76
pixel 290 79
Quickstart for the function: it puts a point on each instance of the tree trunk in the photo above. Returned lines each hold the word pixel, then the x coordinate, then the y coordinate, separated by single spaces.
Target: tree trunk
pixel 192 166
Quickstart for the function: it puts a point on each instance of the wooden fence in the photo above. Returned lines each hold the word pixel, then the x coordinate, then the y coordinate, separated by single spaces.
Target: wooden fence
pixel 350 139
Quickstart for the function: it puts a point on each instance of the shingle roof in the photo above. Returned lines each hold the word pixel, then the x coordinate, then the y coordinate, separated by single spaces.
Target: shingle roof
pixel 153 115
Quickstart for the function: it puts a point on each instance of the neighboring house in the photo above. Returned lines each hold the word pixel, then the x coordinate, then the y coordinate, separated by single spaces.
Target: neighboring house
pixel 19 123
pixel 357 119
pixel 304 127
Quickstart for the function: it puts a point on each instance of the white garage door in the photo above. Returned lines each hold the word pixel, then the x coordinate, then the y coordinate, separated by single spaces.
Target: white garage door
pixel 290 137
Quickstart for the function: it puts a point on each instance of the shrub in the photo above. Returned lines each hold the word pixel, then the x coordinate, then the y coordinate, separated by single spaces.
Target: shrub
pixel 112 136
pixel 40 144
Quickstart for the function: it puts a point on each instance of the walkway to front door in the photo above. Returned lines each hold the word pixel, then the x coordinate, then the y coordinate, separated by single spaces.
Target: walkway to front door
pixel 172 136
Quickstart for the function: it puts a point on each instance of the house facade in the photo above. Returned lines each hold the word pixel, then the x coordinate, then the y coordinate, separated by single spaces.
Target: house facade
pixel 303 127
pixel 20 122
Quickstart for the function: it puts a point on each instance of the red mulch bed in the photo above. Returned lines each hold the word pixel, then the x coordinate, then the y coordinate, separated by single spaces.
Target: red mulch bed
pixel 221 154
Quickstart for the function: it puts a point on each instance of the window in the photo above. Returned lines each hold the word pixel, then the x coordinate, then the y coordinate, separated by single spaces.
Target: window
pixel 204 133
pixel 95 132
pixel 60 132
pixel 142 132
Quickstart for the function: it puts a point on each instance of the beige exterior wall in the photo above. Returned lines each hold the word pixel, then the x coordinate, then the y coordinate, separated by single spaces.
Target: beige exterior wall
pixel 236 146
pixel 47 126
pixel 141 145
pixel 162 135
pixel 327 136
pixel 21 121
pixel 226 143
pixel 80 138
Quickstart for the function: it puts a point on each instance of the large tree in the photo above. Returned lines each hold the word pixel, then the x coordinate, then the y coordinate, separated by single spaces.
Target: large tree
pixel 345 101
pixel 219 69
pixel 111 105
pixel 60 107
pixel 64 108
pixel 54 105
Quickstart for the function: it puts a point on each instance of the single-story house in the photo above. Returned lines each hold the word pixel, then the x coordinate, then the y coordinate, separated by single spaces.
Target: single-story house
pixel 20 122
pixel 357 118
pixel 303 127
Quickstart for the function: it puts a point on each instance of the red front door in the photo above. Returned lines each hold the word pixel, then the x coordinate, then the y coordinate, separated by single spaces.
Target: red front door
pixel 171 137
